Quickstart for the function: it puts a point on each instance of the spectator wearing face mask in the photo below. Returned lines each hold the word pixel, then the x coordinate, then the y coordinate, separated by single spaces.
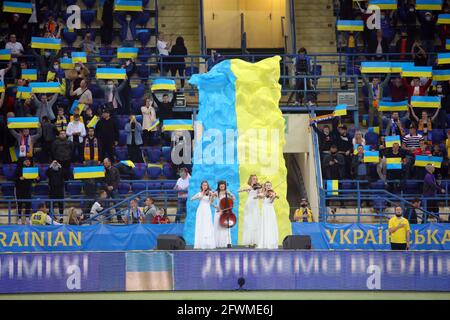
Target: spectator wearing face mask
pixel 57 70
pixel 303 214
pixel 113 92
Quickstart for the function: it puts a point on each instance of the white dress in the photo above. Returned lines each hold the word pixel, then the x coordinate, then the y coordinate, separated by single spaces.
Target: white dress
pixel 268 230
pixel 222 235
pixel 252 218
pixel 204 230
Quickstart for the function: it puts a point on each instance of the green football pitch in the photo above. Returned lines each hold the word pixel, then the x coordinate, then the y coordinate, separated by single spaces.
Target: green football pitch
pixel 234 295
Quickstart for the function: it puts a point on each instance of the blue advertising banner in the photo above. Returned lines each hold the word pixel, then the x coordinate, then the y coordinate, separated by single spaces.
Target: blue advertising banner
pixel 313 270
pixel 62 272
pixel 83 238
pixel 430 236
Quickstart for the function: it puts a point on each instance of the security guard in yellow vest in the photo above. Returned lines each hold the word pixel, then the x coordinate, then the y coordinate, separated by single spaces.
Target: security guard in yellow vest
pixel 41 217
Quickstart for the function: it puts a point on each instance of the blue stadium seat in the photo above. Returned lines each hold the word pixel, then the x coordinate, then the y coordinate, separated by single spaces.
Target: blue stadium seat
pixel 121 153
pixel 143 35
pixel 154 172
pixel 122 138
pixel 74 188
pixel 97 91
pixel 351 133
pixel 139 171
pixel 379 184
pixel 8 189
pixel 143 71
pixel 438 136
pixel 371 138
pixel 123 120
pixel 166 151
pixel 70 2
pixel 347 185
pixel 69 37
pixel 89 3
pixel 167 185
pixel 138 187
pixel 42 169
pixel 41 190
pixel 154 154
pixel 168 171
pixel 138 91
pixel 106 54
pixel 411 187
pixel 144 3
pixel 154 185
pixel 191 70
pixel 88 17
pixel 143 18
pixel 136 106
pixel 144 54
pixel 379 205
pixel 124 188
pixel 9 170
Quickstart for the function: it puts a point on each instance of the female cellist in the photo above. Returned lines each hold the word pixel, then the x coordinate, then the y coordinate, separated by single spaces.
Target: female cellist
pixel 268 236
pixel 221 233
pixel 252 215
pixel 204 229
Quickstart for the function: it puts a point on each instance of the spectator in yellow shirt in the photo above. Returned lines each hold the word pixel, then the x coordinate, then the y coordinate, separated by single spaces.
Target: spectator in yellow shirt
pixel 303 214
pixel 399 230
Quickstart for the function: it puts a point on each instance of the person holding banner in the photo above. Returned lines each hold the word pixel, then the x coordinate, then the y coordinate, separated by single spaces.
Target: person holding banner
pixel 374 94
pixel 424 124
pixel 44 106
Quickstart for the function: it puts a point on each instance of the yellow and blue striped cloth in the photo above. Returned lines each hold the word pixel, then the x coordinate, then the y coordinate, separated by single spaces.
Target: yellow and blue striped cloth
pixel 88 172
pixel 443 18
pixel 79 57
pixel 177 124
pixel 23 122
pixel 443 58
pixel 127 5
pixel 333 187
pixel 397 67
pixel 45 87
pixel 17 7
pixel 127 53
pixel 422 161
pixel 425 101
pixel 45 43
pixel 350 25
pixel 389 106
pixel 375 67
pixel 29 74
pixel 408 71
pixel 393 163
pixel 371 156
pixel 384 4
pixel 447 44
pixel 30 173
pixel 163 84
pixel 23 93
pixel 435 5
pixel 2 86
pixel 111 73
pixel 66 63
pixel 441 75
pixel 93 122
pixel 390 140
pixel 5 54
pixel 128 163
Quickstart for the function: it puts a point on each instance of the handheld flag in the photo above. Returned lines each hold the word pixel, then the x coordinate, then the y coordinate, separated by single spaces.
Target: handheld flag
pixel 350 25
pixel 447 44
pixel 2 87
pixel 390 140
pixel 441 75
pixel 333 186
pixel 426 101
pixel 45 87
pixel 408 71
pixel 384 4
pixel 14 154
pixel 128 163
pixel 393 163
pixel 371 157
pixel 443 58
pixel 375 67
pixel 30 173
pixel 163 84
pixel 422 161
pixel 397 67
pixel 17 7
pixel 66 63
pixel 23 122
pixel 177 124
pixel 29 74
pixel 127 53
pixel 23 93
pixel 78 105
pixel 154 125
pixel 435 5
pixel 443 19
pixel 374 130
pixel 127 5
pixel 389 106
pixel 88 172
pixel 340 110
pixel 79 57
pixel 93 122
pixel 5 54
pixel 46 43
pixel 111 73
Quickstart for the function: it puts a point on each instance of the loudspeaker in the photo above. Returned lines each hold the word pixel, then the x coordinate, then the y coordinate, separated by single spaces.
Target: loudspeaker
pixel 297 242
pixel 170 242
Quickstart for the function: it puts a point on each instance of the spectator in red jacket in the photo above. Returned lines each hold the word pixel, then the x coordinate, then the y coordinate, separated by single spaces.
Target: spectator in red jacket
pixel 415 89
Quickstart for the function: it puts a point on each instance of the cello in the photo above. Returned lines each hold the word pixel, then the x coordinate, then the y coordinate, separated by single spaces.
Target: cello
pixel 227 217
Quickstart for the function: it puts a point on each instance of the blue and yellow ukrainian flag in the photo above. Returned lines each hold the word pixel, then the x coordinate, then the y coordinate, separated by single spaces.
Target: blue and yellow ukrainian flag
pixel 88 172
pixel 14 154
pixel 30 173
pixel 371 156
pixel 111 73
pixel 45 87
pixel 384 4
pixel 390 140
pixel 393 163
pixel 128 163
pixel 2 86
pixel 178 124
pixel 5 54
pixel 447 44
pixel 127 5
pixel 46 43
pixel 443 58
pixel 127 53
pixel 340 110
pixel 93 122
pixel 23 122
pixel 79 57
pixel 374 130
pixel 435 5
pixel 163 84
pixel 78 105
pixel 29 74
pixel 425 101
pixel 350 25
pixel 443 18
pixel 408 71
pixel 422 161
pixel 375 67
pixel 17 7
pixel 154 124
pixel 397 67
pixel 389 106
pixel 66 63
pixel 441 75
pixel 333 187
pixel 23 93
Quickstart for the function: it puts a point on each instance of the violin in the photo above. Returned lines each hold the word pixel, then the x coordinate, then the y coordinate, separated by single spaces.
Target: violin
pixel 227 218
pixel 256 186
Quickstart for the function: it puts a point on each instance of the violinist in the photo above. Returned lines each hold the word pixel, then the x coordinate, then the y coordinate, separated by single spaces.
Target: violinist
pixel 251 212
pixel 204 228
pixel 268 227
pixel 221 233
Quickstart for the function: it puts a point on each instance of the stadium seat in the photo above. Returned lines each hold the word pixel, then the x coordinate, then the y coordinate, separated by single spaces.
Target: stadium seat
pixel 122 138
pixel 143 71
pixel 143 35
pixel 69 37
pixel 121 153
pixel 70 2
pixel 347 185
pixel 139 171
pixel 138 92
pixel 9 170
pixel 379 184
pixel 144 3
pixel 154 154
pixel 106 54
pixel 41 190
pixel 166 153
pixel 411 187
pixel 167 185
pixel 74 188
pixel 154 172
pixel 168 171
pixel 124 188
pixel 136 106
pixel 8 189
pixel 137 187
pixel 154 185
pixel 143 18
pixel 89 3
pixel 88 17
pixel 123 120
pixel 379 205
pixel 144 54
pixel 438 136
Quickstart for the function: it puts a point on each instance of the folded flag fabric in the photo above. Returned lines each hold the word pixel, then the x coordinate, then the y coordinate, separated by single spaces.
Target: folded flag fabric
pixel 163 84
pixel 127 53
pixel 127 5
pixel 371 156
pixel 422 161
pixel 30 173
pixel 409 71
pixel 23 93
pixel 66 63
pixel 29 74
pixel 17 7
pixel 79 57
pixel 2 86
pixel 154 124
pixel 441 75
pixel 45 87
pixel 389 106
pixel 128 163
pixel 375 67
pixel 178 124
pixel 393 163
pixel 350 25
pixel 374 130
pixel 155 165
pixel 111 73
pixel 384 4
pixel 425 102
pixel 443 58
pixel 23 122
pixel 93 122
pixel 447 44
pixel 397 67
pixel 89 172
pixel 390 140
pixel 78 105
pixel 5 54
pixel 333 186
pixel 443 18
pixel 340 110
pixel 429 5
pixel 46 43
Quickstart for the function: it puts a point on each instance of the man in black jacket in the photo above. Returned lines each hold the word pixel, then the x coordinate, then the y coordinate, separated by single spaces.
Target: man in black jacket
pixel 107 134
pixel 325 139
pixel 344 145
pixel 55 176
pixel 49 133
pixel 62 152
pixel 111 182
pixel 23 190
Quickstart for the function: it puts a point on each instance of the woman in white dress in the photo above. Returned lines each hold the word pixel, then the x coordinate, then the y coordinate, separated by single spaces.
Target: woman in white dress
pixel 222 234
pixel 252 216
pixel 204 229
pixel 268 236
pixel 148 119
